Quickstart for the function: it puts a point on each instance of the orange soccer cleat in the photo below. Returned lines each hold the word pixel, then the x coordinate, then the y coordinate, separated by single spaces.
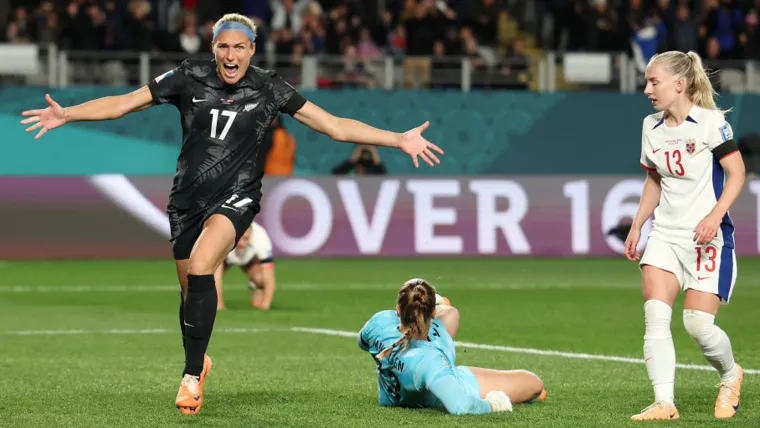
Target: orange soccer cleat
pixel 190 395
pixel 657 412
pixel 728 397
pixel 542 396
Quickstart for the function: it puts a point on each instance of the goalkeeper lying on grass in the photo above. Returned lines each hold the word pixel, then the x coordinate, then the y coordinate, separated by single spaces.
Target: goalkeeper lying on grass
pixel 413 347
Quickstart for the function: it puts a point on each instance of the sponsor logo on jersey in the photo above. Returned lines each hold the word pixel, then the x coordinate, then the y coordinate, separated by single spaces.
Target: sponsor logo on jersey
pixel 673 142
pixel 691 145
pixel 227 100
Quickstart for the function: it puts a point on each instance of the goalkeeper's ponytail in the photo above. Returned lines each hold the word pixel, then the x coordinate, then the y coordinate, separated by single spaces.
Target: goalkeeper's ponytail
pixel 416 306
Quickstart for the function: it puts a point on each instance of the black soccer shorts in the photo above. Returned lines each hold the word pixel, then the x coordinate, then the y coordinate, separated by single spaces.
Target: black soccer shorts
pixel 190 230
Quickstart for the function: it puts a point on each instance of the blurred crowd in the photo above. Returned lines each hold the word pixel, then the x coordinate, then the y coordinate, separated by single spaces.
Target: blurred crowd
pixel 426 38
pixel 422 34
pixel 724 29
pixel 359 32
pixel 294 26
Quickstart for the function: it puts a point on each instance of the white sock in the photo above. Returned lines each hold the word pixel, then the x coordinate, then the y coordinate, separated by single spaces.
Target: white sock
pixel 715 344
pixel 659 351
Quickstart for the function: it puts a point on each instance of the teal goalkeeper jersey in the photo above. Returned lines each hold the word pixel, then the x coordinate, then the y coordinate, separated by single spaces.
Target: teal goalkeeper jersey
pixel 423 375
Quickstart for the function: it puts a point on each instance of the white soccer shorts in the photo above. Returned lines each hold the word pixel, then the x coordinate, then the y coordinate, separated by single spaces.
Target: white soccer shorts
pixel 710 268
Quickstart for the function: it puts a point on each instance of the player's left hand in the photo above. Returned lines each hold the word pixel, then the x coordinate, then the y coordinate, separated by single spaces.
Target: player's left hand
pixel 414 144
pixel 707 229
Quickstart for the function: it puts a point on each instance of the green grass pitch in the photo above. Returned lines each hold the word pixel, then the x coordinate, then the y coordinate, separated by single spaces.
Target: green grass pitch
pixel 96 344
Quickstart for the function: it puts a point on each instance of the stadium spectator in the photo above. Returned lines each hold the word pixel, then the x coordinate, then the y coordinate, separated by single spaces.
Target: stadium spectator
pixel 748 40
pixel 602 22
pixel 723 22
pixel 18 27
pixel 422 30
pixel 282 150
pixel 684 31
pixel 364 161
pixel 189 38
pixel 483 21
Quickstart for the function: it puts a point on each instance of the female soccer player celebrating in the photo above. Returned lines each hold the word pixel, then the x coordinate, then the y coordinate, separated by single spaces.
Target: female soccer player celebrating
pixel 413 348
pixel 687 150
pixel 225 106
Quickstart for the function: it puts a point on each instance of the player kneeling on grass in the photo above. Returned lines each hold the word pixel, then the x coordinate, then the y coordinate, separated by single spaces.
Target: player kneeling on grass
pixel 253 254
pixel 413 348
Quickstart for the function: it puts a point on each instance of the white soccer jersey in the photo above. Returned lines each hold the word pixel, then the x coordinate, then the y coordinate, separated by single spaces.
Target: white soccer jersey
pixel 687 157
pixel 259 246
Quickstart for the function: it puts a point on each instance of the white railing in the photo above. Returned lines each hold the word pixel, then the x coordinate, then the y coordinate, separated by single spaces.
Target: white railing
pixel 547 72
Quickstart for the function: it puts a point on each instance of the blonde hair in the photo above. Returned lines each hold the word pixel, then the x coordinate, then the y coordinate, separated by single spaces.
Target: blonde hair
pixel 689 66
pixel 416 306
pixel 235 17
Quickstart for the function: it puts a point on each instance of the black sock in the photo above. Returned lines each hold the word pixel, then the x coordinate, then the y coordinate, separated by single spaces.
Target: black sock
pixel 182 320
pixel 200 312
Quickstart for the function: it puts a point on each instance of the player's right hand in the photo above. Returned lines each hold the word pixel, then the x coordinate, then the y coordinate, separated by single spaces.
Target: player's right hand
pixel 48 118
pixel 631 244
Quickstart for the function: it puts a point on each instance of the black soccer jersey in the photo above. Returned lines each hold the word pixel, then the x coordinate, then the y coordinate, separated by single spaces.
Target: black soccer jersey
pixel 223 129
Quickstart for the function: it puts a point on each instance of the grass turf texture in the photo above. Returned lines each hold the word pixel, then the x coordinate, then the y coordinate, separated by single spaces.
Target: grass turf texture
pixel 96 343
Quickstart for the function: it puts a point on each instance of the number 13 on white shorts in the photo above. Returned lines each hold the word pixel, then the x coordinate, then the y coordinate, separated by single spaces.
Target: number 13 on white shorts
pixel 710 268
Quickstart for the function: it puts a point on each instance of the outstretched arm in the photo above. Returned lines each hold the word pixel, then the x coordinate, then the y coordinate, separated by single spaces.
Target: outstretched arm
pixel 106 108
pixel 343 129
pixel 109 108
pixel 354 131
pixel 166 88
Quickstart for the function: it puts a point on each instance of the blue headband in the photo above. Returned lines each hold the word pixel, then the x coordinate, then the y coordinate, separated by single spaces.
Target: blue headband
pixel 235 26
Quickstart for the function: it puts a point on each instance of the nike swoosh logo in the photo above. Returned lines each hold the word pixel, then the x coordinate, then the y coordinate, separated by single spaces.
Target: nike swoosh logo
pixel 195 100
pixel 655 151
pixel 700 278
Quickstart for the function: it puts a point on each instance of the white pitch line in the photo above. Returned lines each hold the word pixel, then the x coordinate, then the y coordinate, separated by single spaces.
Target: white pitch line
pixel 25 289
pixel 353 334
pixel 533 351
pixel 129 331
pixel 170 288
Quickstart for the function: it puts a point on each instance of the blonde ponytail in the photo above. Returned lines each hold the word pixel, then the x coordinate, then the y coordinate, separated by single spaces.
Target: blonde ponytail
pixel 689 66
pixel 701 91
